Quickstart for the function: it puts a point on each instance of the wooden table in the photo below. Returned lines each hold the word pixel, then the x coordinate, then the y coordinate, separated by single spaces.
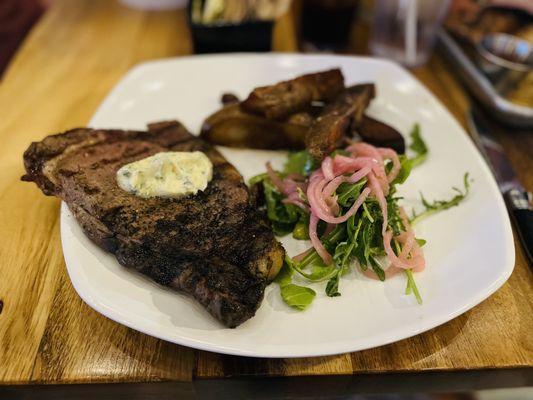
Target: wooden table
pixel 67 65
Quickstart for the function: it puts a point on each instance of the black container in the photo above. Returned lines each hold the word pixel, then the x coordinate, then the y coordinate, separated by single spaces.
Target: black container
pixel 326 24
pixel 249 36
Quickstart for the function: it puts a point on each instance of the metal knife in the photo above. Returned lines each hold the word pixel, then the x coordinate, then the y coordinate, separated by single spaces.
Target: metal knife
pixel 517 198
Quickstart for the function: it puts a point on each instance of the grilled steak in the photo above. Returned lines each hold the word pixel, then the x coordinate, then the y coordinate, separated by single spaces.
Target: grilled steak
pixel 213 246
pixel 338 119
pixel 288 97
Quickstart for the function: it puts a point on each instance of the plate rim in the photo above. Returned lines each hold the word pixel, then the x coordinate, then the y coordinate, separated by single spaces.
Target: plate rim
pixel 340 347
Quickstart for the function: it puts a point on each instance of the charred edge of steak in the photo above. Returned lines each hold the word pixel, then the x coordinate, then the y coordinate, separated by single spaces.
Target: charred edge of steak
pixel 213 246
pixel 282 99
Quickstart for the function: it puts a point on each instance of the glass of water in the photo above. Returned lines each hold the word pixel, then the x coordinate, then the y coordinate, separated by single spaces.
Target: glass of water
pixel 405 30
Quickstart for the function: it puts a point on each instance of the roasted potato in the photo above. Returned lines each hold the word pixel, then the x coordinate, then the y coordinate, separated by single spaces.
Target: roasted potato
pixel 232 127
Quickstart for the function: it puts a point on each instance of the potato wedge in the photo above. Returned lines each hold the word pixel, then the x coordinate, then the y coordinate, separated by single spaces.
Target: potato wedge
pixel 232 127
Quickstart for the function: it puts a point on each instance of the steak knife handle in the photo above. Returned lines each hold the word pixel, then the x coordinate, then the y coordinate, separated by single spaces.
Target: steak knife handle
pixel 522 214
pixel 524 225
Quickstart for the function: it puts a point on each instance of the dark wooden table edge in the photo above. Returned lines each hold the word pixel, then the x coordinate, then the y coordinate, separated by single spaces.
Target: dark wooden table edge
pixel 304 387
pixel 328 386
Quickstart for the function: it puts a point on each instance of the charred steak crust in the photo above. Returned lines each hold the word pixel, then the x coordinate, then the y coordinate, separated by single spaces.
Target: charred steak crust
pixel 213 246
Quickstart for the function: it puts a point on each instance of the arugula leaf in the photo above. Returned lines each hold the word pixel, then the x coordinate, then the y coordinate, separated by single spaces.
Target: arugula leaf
pixel 348 193
pixel 353 231
pixel 367 213
pixel 406 165
pixel 361 250
pixel 418 146
pixel 369 246
pixel 393 211
pixel 332 288
pixel 411 286
pixel 334 237
pixel 440 205
pixel 341 257
pixel 273 200
pixel 341 152
pixel 280 229
pixel 420 242
pixel 282 216
pixel 345 250
pixel 300 162
pixel 301 229
pixel 257 179
pixel 284 276
pixel 319 272
pixel 299 297
pixel 377 269
pixel 369 232
pixel 350 225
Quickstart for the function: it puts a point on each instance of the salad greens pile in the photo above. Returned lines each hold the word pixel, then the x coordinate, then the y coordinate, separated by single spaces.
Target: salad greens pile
pixel 358 240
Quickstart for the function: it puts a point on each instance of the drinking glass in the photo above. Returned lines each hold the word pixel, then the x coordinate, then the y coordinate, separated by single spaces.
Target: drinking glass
pixel 405 30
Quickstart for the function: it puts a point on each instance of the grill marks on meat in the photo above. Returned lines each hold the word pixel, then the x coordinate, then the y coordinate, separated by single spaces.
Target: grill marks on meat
pixel 213 246
pixel 338 119
pixel 288 97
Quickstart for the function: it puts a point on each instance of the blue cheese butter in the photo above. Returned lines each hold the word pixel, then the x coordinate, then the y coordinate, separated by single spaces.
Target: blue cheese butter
pixel 168 174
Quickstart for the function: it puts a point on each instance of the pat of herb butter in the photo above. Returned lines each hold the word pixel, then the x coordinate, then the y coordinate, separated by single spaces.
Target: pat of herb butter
pixel 167 174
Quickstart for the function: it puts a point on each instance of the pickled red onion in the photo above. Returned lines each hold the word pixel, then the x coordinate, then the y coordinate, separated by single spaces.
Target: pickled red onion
pixel 300 256
pixel 391 155
pixel 378 193
pixel 365 150
pixel 276 180
pixel 343 164
pixel 327 168
pixel 393 258
pixel 389 272
pixel 317 244
pixel 296 202
pixel 288 185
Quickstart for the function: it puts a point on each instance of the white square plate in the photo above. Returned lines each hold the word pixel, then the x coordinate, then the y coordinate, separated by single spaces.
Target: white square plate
pixel 469 249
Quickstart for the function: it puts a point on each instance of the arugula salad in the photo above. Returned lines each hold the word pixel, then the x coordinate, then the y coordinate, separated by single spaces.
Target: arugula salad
pixel 348 207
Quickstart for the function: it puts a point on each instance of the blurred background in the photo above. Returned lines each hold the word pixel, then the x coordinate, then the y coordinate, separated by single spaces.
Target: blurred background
pixel 487 42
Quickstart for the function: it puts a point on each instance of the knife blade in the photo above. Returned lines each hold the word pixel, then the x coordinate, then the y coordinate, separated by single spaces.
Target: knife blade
pixel 517 198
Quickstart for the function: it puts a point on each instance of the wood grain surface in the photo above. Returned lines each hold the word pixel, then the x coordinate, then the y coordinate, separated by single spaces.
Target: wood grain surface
pixel 67 65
